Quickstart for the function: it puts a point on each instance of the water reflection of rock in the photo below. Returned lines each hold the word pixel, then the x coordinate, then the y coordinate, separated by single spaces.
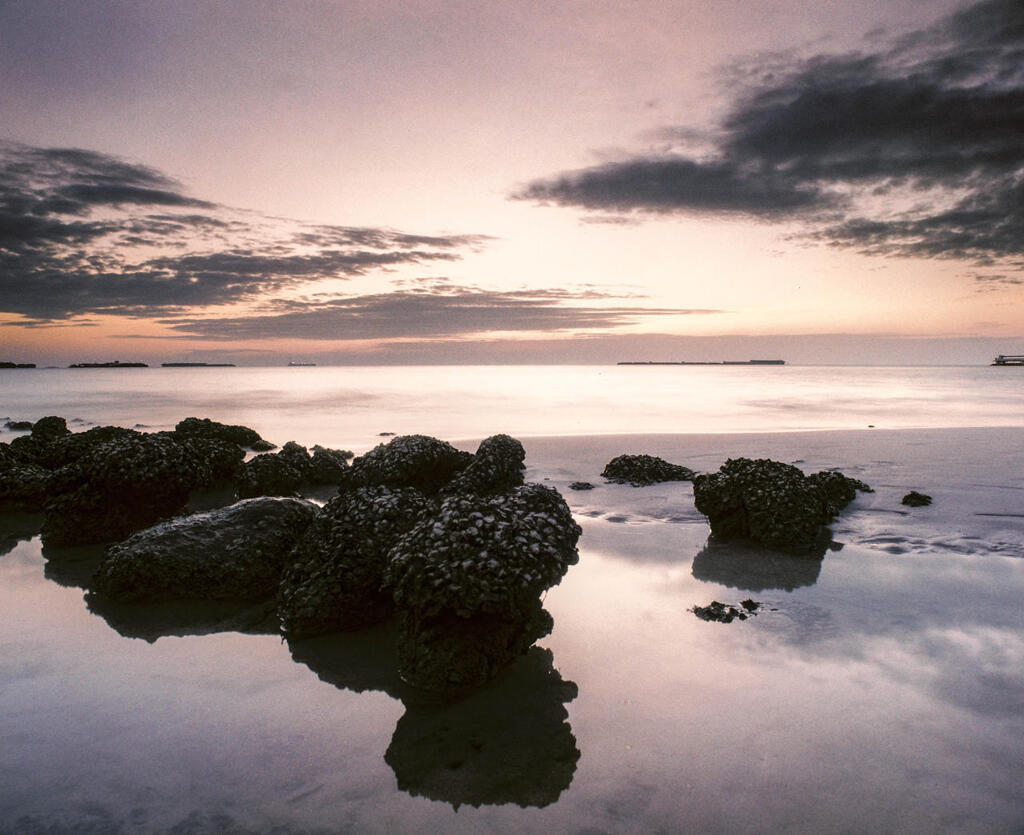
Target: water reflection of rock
pixel 753 568
pixel 507 742
pixel 18 527
pixel 152 620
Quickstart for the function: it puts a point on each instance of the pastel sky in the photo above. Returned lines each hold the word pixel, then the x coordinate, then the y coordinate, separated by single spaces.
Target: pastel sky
pixel 257 181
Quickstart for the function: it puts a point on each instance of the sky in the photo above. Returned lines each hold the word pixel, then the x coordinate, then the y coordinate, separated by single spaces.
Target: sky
pixel 472 181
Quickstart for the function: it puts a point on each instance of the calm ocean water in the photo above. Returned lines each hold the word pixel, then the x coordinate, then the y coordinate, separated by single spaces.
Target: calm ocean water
pixel 877 689
pixel 350 406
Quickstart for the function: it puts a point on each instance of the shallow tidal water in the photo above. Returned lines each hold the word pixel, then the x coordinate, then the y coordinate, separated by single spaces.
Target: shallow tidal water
pixel 880 688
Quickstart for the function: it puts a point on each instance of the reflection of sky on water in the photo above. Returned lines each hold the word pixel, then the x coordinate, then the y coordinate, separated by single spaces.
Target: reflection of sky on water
pixel 888 690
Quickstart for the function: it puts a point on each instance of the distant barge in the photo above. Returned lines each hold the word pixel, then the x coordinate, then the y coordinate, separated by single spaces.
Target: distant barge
pixel 1008 359
pixel 725 362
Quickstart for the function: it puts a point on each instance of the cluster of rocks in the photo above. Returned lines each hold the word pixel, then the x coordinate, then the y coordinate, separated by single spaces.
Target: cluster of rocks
pixel 641 470
pixel 108 482
pixel 772 503
pixel 455 543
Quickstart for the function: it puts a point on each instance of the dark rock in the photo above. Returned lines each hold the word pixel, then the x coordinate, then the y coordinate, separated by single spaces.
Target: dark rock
pixel 581 485
pixel 192 427
pixel 335 575
pixel 234 553
pixel 468 582
pixel 284 472
pixel 269 474
pixel 768 502
pixel 839 490
pixel 640 470
pixel 328 466
pixel 118 487
pixel 49 428
pixel 723 613
pixel 22 486
pixel 18 425
pixel 262 446
pixel 915 499
pixel 221 461
pixel 67 449
pixel 418 461
pixel 496 467
pixel 494 554
pixel 508 742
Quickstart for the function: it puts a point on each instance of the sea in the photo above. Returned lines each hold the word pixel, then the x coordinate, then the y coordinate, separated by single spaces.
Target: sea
pixel 350 406
pixel 875 687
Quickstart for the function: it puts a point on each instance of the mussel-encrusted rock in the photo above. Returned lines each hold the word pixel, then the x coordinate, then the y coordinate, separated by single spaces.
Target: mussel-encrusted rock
pixel 233 553
pixel 915 499
pixel 22 486
pixel 282 473
pixel 493 554
pixel 408 461
pixel 640 470
pixel 328 466
pixel 468 583
pixel 335 574
pixel 120 486
pixel 497 466
pixel 192 427
pixel 769 502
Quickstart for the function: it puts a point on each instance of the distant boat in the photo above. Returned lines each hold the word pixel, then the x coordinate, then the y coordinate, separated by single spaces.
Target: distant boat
pixel 1008 359
pixel 301 364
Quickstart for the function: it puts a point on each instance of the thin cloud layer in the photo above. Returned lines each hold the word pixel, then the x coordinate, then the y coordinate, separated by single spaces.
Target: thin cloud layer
pixel 83 233
pixel 435 311
pixel 913 149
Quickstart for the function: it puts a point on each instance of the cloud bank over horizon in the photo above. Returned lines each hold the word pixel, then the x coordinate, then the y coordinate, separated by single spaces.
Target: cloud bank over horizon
pixel 913 149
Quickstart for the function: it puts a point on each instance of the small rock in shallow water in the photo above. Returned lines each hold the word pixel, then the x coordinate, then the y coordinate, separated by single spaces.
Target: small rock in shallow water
pixel 726 613
pixel 581 485
pixel 915 499
pixel 641 470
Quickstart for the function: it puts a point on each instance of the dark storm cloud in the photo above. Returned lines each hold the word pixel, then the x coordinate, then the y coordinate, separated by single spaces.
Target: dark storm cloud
pixel 936 118
pixel 431 313
pixel 70 218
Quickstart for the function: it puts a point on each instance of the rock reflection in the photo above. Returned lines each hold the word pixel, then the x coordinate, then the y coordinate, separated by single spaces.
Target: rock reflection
pixel 18 527
pixel 151 620
pixel 507 742
pixel 754 568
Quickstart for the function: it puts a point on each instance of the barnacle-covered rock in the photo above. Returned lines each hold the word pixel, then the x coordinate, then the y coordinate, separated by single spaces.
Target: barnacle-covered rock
pixel 192 427
pixel 328 466
pixel 68 448
pixel 839 490
pixel 915 499
pixel 408 461
pixel 118 487
pixel 283 472
pixel 268 474
pixel 216 461
pixel 468 582
pixel 492 554
pixel 333 582
pixel 497 466
pixel 30 448
pixel 768 502
pixel 22 486
pixel 640 470
pixel 233 553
